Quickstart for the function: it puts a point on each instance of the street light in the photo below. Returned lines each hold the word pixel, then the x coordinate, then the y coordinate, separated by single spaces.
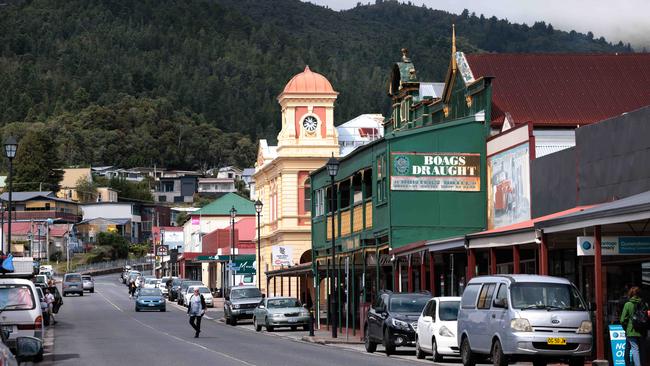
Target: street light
pixel 333 169
pixel 11 146
pixel 233 214
pixel 258 209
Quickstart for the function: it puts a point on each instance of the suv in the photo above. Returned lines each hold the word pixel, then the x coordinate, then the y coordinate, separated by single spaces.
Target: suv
pixel 392 320
pixel 88 283
pixel 523 317
pixel 173 290
pixel 240 302
pixel 180 293
pixel 72 283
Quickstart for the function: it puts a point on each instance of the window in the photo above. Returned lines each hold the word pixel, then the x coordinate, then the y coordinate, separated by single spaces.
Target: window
pixel 449 310
pixel 307 203
pixel 382 179
pixel 502 293
pixel 432 310
pixel 485 297
pixel 319 204
pixel 469 296
pixel 162 198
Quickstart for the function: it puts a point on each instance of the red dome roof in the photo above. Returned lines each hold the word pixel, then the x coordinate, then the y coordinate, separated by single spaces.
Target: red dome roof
pixel 308 82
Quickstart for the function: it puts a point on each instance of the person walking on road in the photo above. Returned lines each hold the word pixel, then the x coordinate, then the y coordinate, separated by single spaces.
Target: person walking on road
pixel 131 287
pixel 49 299
pixel 634 331
pixel 196 310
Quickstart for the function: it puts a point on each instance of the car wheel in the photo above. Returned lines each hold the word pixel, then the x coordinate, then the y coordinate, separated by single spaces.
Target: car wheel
pixel 466 353
pixel 64 294
pixel 163 310
pixel 418 351
pixel 437 357
pixel 258 328
pixel 369 344
pixel 233 321
pixel 576 361
pixel 294 328
pixel 269 328
pixel 498 358
pixel 81 293
pixel 539 362
pixel 92 290
pixel 305 328
pixel 137 309
pixel 39 356
pixel 388 346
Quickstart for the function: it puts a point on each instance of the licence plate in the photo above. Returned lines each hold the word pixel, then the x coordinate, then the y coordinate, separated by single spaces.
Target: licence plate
pixel 556 341
pixel 152 304
pixel 8 328
pixel 293 320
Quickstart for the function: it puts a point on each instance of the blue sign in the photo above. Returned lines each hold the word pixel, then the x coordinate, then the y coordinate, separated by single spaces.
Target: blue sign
pixel 617 340
pixel 634 244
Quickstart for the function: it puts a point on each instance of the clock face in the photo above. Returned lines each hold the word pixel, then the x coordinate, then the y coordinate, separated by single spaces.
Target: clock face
pixel 310 123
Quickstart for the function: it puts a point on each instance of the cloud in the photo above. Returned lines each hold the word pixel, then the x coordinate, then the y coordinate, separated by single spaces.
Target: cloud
pixel 622 20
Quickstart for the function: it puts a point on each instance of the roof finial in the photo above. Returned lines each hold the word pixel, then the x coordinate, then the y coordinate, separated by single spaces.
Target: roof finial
pixel 453 46
pixel 405 55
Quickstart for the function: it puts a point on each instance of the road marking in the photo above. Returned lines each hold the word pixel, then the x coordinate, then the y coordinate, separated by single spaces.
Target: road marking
pixel 196 344
pixel 110 302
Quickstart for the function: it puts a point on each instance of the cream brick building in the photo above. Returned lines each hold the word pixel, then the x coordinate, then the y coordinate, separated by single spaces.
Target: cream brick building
pixel 307 139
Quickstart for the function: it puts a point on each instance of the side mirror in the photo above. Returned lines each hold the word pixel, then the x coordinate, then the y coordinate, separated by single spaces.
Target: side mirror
pixel 261 306
pixel 500 303
pixel 28 348
pixel 427 319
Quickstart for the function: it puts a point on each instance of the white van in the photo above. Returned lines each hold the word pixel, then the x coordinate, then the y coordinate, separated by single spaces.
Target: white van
pixel 523 317
pixel 20 310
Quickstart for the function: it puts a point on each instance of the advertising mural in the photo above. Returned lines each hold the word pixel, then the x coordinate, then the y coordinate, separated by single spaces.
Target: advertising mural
pixel 435 172
pixel 509 186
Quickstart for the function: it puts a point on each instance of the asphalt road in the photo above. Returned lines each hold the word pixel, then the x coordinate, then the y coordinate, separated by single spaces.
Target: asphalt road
pixel 103 329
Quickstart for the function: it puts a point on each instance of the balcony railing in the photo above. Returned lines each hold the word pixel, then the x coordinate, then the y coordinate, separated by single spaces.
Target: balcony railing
pixel 351 220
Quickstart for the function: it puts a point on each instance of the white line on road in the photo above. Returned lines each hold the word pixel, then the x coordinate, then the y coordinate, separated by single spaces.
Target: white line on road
pixel 110 302
pixel 196 344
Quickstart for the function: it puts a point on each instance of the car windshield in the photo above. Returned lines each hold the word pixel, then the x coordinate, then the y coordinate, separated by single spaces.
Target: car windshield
pixel 72 278
pixel 16 297
pixel 243 293
pixel 408 304
pixel 176 281
pixel 41 278
pixel 204 290
pixel 150 292
pixel 283 303
pixel 448 310
pixel 86 278
pixel 152 281
pixel 548 296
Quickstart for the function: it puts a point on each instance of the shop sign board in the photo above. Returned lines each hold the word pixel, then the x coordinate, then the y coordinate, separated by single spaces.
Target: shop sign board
pixel 435 172
pixel 614 245
pixel 617 341
pixel 281 255
pixel 509 186
pixel 162 250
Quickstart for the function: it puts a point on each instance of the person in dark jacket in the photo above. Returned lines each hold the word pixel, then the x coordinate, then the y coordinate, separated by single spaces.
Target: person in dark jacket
pixel 196 309
pixel 633 351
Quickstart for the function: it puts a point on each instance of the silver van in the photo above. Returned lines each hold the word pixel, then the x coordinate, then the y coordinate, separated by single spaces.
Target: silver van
pixel 523 317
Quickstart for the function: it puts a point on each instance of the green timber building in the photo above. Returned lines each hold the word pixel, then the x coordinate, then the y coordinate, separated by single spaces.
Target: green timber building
pixel 424 180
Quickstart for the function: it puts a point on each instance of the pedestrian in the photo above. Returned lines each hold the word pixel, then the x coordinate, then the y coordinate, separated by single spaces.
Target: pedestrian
pixel 633 332
pixel 49 299
pixel 196 310
pixel 131 287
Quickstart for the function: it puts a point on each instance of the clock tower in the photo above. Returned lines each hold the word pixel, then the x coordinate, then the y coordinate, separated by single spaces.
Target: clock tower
pixel 307 103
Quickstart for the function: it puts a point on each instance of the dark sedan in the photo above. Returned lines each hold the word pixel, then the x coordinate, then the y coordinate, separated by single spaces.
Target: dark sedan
pixel 150 299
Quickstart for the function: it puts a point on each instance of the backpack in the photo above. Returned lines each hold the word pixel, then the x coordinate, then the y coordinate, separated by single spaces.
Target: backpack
pixel 639 318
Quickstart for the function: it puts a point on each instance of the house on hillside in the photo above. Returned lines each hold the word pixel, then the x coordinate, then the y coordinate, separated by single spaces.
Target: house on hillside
pixel 72 177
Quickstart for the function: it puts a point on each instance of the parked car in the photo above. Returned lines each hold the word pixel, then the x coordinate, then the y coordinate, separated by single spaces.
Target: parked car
pixel 72 283
pixel 276 312
pixel 88 283
pixel 21 311
pixel 44 307
pixel 240 303
pixel 437 328
pixel 203 290
pixel 392 321
pixel 46 270
pixel 180 294
pixel 150 299
pixel 523 317
pixel 173 290
pixel 41 280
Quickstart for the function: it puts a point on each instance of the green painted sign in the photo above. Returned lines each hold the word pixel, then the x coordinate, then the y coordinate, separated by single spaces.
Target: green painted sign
pixel 435 172
pixel 244 264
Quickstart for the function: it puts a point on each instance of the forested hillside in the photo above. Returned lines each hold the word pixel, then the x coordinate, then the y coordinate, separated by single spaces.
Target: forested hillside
pixel 191 84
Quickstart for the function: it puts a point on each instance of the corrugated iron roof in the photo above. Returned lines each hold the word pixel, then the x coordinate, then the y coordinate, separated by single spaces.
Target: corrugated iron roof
pixel 564 90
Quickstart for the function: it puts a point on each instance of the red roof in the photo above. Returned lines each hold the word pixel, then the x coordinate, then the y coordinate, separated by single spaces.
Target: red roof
pixel 23 228
pixel 564 90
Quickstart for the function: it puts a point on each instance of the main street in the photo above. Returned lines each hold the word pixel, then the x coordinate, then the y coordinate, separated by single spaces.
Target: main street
pixel 103 329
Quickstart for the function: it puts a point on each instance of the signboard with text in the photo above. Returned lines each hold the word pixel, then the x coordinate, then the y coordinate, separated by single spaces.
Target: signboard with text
pixel 435 172
pixel 162 250
pixel 617 340
pixel 614 245
pixel 281 255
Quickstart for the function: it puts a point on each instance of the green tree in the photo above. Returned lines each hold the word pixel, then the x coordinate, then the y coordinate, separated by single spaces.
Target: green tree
pixel 181 218
pixel 113 245
pixel 36 165
pixel 86 191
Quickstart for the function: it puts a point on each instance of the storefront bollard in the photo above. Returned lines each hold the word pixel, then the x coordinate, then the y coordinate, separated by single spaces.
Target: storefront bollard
pixel 311 322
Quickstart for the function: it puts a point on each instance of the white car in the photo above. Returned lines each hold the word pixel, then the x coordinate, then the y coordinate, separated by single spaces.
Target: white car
pixel 20 310
pixel 152 283
pixel 437 328
pixel 207 295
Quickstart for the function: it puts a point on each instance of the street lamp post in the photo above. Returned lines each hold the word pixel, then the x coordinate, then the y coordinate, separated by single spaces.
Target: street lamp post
pixel 258 209
pixel 233 214
pixel 333 169
pixel 10 152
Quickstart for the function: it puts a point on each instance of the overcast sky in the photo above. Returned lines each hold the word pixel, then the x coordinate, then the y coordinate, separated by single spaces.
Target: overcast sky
pixel 626 20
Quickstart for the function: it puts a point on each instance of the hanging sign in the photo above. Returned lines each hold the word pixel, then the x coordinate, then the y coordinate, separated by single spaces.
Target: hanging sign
pixel 435 172
pixel 614 245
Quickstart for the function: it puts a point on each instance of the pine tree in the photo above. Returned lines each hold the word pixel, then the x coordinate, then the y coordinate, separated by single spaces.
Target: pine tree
pixel 36 165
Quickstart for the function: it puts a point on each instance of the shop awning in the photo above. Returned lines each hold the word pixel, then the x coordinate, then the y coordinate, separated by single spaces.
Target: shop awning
pixel 300 269
pixel 628 209
pixel 445 244
pixel 515 234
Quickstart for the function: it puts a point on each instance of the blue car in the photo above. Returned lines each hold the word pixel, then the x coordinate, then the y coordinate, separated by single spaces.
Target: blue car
pixel 150 299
